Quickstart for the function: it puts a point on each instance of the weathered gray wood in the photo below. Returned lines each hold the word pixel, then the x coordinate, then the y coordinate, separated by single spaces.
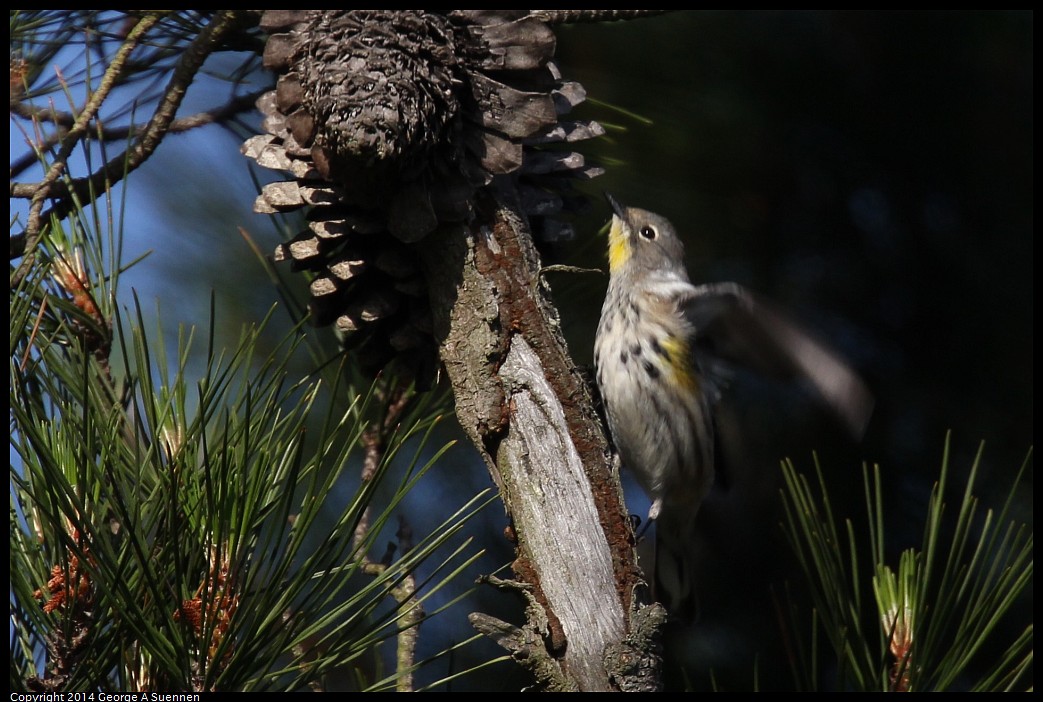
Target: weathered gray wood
pixel 550 494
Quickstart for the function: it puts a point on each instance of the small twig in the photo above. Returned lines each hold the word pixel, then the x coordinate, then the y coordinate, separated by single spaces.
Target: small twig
pixel 221 113
pixel 309 650
pixel 374 439
pixel 208 40
pixel 578 16
pixel 108 80
pixel 43 114
pixel 411 618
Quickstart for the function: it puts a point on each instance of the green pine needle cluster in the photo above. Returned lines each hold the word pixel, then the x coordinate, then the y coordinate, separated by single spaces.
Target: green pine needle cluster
pixel 176 529
pixel 930 623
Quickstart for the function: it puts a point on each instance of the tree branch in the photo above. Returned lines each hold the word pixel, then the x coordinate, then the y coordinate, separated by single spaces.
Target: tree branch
pixel 233 107
pixel 208 40
pixel 527 410
pixel 374 439
pixel 108 80
pixel 43 114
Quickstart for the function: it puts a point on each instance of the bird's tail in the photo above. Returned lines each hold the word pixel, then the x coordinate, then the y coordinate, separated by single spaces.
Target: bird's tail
pixel 674 585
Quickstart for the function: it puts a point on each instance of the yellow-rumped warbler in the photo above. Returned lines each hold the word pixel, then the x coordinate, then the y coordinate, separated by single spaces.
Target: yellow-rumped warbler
pixel 660 349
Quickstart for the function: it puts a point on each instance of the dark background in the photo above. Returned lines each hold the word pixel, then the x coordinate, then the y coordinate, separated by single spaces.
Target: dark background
pixel 873 173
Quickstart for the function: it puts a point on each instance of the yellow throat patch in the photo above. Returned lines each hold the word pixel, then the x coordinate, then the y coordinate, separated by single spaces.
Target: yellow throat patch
pixel 618 246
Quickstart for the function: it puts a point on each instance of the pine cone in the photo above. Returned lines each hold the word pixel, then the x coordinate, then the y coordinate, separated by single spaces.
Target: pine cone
pixel 387 122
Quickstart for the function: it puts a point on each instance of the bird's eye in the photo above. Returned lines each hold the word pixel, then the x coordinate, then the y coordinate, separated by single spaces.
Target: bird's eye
pixel 648 233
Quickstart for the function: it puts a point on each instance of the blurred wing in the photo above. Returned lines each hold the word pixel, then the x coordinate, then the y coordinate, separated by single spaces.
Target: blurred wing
pixel 736 326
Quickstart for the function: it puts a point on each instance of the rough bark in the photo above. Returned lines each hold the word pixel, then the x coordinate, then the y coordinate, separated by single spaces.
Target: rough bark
pixel 528 411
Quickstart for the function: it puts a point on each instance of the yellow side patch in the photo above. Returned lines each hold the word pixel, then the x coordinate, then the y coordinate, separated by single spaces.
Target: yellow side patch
pixel 618 246
pixel 680 358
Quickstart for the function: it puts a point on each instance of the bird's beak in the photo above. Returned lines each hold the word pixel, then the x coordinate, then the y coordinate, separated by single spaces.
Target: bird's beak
pixel 617 208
